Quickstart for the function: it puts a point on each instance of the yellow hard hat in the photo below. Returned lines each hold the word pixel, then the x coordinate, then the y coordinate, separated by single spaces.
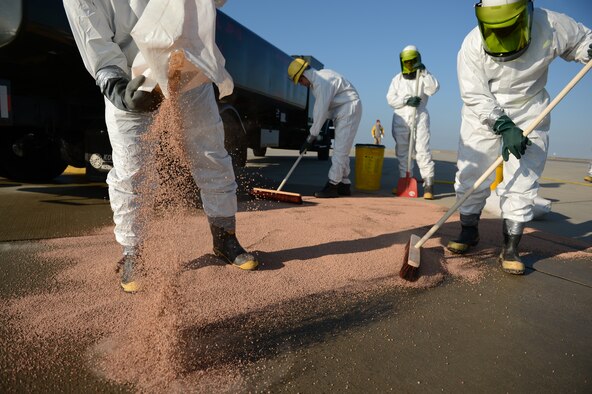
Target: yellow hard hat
pixel 296 68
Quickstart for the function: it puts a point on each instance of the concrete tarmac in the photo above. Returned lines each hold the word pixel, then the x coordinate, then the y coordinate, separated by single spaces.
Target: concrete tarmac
pixel 506 333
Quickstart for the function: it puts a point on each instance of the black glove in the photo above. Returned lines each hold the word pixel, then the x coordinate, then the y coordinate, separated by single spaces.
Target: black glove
pixel 413 101
pixel 307 143
pixel 124 94
pixel 421 67
pixel 590 52
pixel 513 140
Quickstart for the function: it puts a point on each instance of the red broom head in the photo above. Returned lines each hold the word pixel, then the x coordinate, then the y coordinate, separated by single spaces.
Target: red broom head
pixel 269 194
pixel 408 272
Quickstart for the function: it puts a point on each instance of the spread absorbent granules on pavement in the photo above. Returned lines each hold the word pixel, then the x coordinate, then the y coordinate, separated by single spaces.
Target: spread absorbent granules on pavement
pixel 198 324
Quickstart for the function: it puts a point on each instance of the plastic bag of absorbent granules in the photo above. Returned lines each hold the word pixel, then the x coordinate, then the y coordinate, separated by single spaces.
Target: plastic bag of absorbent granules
pixel 180 35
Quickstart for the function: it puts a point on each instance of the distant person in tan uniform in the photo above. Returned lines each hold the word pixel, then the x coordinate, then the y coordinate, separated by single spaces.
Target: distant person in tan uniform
pixel 377 132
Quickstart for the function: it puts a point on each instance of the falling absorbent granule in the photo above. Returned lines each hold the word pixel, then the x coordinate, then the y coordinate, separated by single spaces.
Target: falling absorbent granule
pixel 198 323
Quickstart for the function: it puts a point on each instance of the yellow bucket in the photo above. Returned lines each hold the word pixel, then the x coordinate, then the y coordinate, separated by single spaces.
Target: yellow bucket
pixel 369 159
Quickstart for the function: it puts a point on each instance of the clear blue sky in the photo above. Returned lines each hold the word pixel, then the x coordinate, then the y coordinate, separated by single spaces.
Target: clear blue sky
pixel 362 41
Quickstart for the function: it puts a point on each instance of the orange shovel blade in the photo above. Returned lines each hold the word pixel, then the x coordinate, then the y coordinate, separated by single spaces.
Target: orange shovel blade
pixel 407 187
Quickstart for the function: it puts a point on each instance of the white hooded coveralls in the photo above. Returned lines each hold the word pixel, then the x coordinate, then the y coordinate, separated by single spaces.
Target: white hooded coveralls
pixel 516 88
pixel 336 99
pixel 102 30
pixel 399 91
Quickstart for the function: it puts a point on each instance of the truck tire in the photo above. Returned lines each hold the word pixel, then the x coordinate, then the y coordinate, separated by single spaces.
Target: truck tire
pixel 30 157
pixel 73 152
pixel 323 154
pixel 260 152
pixel 235 139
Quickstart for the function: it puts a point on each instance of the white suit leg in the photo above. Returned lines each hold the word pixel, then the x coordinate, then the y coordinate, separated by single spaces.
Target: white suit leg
pixel 211 166
pixel 345 131
pixel 423 154
pixel 520 185
pixel 400 132
pixel 125 130
pixel 478 149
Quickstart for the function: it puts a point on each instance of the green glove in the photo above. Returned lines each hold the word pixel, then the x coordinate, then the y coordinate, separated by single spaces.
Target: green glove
pixel 413 101
pixel 124 94
pixel 421 67
pixel 513 140
pixel 307 143
pixel 590 52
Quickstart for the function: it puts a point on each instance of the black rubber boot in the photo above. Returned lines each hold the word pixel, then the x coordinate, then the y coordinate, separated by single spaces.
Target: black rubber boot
pixel 509 257
pixel 127 267
pixel 469 234
pixel 343 189
pixel 329 191
pixel 226 246
pixel 428 189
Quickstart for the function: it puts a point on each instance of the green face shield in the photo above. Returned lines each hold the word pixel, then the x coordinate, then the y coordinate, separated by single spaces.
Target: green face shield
pixel 410 60
pixel 505 29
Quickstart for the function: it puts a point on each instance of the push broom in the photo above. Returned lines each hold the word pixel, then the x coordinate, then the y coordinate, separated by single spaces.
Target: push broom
pixel 410 269
pixel 279 195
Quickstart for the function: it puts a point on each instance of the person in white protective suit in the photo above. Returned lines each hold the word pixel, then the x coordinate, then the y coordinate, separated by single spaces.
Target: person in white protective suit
pixel 336 99
pixel 502 71
pixel 377 132
pixel 402 98
pixel 102 30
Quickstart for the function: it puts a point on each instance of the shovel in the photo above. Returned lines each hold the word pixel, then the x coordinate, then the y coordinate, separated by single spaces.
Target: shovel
pixel 407 187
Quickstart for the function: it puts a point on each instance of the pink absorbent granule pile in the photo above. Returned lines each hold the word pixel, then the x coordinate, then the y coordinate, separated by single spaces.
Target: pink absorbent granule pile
pixel 198 322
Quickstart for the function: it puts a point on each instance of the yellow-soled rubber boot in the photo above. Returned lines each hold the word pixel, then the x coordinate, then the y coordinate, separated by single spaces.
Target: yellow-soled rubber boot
pixel 469 234
pixel 394 190
pixel 588 178
pixel 329 191
pixel 428 189
pixel 344 189
pixel 514 267
pixel 127 268
pixel 509 257
pixel 227 247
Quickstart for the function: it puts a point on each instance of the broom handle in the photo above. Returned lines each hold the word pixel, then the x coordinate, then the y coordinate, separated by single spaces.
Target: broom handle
pixel 412 131
pixel 290 172
pixel 499 160
pixel 296 163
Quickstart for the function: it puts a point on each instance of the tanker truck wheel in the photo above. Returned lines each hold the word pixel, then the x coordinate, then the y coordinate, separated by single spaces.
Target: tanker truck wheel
pixel 323 154
pixel 260 152
pixel 30 157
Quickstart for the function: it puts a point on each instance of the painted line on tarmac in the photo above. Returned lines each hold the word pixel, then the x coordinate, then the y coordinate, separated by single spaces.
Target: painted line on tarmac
pixel 542 179
pixel 567 182
pixel 542 271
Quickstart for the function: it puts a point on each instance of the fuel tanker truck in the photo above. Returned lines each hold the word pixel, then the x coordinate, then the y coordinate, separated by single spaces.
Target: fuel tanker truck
pixel 52 114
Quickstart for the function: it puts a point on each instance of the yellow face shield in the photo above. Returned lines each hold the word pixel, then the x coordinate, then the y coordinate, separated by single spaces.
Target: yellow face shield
pixel 410 61
pixel 505 29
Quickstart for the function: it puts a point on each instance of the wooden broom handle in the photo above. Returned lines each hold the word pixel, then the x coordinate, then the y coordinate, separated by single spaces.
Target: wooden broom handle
pixel 499 160
pixel 290 172
pixel 412 130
